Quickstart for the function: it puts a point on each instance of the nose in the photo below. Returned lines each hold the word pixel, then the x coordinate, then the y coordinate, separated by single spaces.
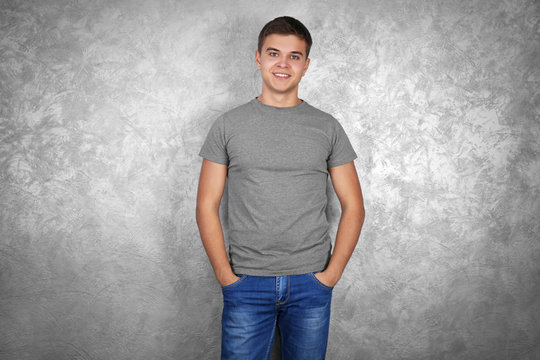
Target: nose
pixel 283 61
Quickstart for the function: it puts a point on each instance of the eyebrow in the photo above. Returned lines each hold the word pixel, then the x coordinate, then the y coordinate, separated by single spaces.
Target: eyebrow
pixel 292 52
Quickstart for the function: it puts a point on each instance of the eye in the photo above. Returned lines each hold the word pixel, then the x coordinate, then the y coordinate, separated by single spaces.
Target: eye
pixel 272 53
pixel 295 57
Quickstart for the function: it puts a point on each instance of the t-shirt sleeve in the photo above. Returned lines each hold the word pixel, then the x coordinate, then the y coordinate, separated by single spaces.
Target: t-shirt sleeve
pixel 215 147
pixel 342 151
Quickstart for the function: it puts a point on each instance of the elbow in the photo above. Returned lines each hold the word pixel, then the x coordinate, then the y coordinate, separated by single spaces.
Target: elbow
pixel 197 212
pixel 357 211
pixel 360 213
pixel 201 210
pixel 204 209
pixel 362 216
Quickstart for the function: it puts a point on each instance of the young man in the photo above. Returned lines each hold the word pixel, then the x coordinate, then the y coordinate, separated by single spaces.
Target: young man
pixel 277 152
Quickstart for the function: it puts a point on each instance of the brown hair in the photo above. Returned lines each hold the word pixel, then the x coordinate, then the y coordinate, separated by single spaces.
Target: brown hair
pixel 285 25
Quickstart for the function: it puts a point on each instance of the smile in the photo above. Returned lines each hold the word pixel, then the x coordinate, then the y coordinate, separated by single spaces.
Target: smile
pixel 282 76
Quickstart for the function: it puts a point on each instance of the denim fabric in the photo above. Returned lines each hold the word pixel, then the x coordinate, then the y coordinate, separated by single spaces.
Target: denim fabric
pixel 254 305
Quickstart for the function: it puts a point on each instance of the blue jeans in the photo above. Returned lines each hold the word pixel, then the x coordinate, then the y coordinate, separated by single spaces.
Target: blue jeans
pixel 254 305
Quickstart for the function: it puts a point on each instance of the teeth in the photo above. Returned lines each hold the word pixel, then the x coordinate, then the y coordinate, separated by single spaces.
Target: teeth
pixel 282 75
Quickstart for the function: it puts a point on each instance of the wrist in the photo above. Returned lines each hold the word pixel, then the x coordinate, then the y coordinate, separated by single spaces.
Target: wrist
pixel 333 273
pixel 226 276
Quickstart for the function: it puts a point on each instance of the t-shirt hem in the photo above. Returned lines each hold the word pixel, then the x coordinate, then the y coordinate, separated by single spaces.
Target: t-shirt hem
pixel 341 162
pixel 262 272
pixel 214 159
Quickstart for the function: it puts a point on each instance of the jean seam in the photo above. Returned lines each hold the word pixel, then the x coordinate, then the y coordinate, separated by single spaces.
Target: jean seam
pixel 326 287
pixel 278 303
pixel 237 282
pixel 269 348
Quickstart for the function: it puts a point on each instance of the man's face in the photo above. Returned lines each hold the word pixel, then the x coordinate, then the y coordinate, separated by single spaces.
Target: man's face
pixel 282 63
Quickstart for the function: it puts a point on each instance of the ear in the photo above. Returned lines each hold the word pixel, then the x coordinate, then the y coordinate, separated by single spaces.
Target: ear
pixel 258 59
pixel 305 67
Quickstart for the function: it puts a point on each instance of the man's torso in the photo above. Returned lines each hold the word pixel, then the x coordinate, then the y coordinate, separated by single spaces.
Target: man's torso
pixel 277 181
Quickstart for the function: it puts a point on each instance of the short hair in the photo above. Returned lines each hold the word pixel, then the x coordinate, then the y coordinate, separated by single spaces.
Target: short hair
pixel 285 25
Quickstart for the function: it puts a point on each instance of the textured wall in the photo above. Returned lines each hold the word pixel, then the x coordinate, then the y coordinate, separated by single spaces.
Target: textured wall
pixel 104 106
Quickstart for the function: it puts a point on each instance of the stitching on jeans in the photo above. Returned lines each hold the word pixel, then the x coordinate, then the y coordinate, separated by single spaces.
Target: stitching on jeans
pixel 278 302
pixel 288 291
pixel 242 278
pixel 320 283
pixel 270 342
pixel 277 291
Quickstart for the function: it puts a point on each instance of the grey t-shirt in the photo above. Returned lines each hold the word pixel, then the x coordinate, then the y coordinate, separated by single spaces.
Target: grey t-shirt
pixel 278 160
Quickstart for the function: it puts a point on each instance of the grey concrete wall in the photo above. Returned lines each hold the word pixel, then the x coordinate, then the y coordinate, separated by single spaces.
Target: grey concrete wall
pixel 104 106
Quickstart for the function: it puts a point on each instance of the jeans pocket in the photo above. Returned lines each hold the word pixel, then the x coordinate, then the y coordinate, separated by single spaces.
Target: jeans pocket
pixel 319 283
pixel 237 282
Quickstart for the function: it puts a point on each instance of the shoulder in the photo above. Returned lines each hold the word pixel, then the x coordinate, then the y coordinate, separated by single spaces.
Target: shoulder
pixel 232 116
pixel 322 118
pixel 237 111
pixel 317 113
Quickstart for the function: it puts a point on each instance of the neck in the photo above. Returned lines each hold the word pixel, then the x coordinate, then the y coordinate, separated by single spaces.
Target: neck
pixel 280 100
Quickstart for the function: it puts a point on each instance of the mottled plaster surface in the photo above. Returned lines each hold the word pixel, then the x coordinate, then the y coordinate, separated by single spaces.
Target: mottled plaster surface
pixel 104 106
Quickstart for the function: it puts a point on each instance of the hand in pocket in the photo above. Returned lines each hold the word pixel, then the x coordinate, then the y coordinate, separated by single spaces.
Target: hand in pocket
pixel 323 278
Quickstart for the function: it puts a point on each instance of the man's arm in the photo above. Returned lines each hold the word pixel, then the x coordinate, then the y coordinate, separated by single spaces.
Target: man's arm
pixel 211 185
pixel 347 187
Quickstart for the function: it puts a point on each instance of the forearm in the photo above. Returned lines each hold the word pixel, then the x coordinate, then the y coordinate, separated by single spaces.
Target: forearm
pixel 214 243
pixel 348 232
